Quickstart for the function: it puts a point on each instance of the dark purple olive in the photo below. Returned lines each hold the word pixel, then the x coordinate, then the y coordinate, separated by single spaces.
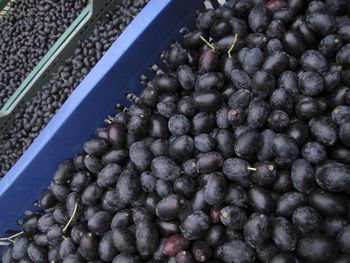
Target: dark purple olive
pixel 203 122
pixel 344 133
pixel 258 18
pixel 236 116
pixel 311 83
pixel 328 204
pixel 116 135
pixel 312 60
pixel 276 63
pixel 333 177
pixel 174 244
pixel 237 171
pixel 215 189
pixel 261 200
pixel 302 175
pixel 256 230
pixel 201 251
pixel 283 234
pixel 209 162
pixel 233 217
pixel 285 149
pixel 263 83
pixel 324 130
pixel 288 202
pixel 293 43
pixel 220 28
pixel 316 248
pixel 215 235
pixel 208 100
pixel 343 239
pixel 247 145
pixel 195 225
pixel 169 207
pixel 65 170
pixel 236 249
pixel 146 238
pixel 322 24
pixel 307 220
pixel 275 29
pixel 264 174
pixel 278 121
pixel 123 239
pixel 208 61
pixel 165 168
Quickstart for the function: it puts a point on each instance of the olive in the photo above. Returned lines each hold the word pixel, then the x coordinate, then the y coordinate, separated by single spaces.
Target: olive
pixel 276 63
pixel 108 175
pixel 207 100
pixel 307 220
pixel 146 238
pixel 215 189
pixel 256 230
pixel 324 130
pixel 181 148
pixel 123 240
pixel 215 235
pixel 240 99
pixel 195 225
pixel 169 207
pixel 316 248
pixel 247 145
pixel 265 173
pixel 263 83
pixel 258 18
pixel 65 170
pixel 328 204
pixel 302 175
pixel 293 43
pixel 275 29
pixel 283 234
pixel 252 61
pixel 208 61
pixel 344 133
pixel 312 60
pixel 261 200
pixel 266 153
pixel 237 171
pixel 258 112
pixel 236 251
pixel 285 150
pixel 174 244
pixel 333 177
pixel 165 168
pixel 288 202
pixel 209 162
pixel 314 152
pixel 321 23
pixel 278 121
pixel 220 28
pixel 311 83
pixel 240 79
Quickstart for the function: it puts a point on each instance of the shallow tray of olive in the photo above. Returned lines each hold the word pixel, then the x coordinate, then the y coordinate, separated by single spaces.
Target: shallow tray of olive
pixel 235 150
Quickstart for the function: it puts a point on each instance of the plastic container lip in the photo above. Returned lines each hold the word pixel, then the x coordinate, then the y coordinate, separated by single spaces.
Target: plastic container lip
pixel 118 71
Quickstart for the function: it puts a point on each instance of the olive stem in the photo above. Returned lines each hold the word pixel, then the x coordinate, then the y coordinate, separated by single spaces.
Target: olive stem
pixel 232 46
pixel 71 218
pixel 251 169
pixel 62 77
pixel 13 236
pixel 208 43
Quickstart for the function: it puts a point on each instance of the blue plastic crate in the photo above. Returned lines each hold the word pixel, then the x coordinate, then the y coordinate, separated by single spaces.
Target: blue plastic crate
pixel 116 73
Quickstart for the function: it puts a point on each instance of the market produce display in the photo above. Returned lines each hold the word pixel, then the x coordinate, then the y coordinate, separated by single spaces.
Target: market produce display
pixel 32 117
pixel 237 152
pixel 28 30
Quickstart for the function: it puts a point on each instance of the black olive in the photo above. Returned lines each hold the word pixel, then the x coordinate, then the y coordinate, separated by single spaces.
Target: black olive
pixel 316 248
pixel 288 202
pixel 256 230
pixel 261 200
pixel 283 234
pixel 302 175
pixel 237 171
pixel 311 83
pixel 263 83
pixel 293 43
pixel 123 240
pixel 208 100
pixel 195 225
pixel 236 249
pixel 312 60
pixel 247 145
pixel 328 204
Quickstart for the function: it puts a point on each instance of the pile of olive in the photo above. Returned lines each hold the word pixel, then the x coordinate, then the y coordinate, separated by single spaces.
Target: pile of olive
pixel 33 116
pixel 237 153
